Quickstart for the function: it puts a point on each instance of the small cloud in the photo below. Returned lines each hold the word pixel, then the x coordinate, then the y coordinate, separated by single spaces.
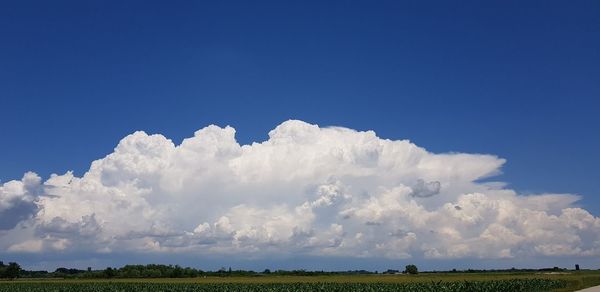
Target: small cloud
pixel 425 189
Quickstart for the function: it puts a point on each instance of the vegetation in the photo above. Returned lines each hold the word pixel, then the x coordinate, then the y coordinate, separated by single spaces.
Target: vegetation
pixel 175 278
pixel 10 271
pixel 498 285
pixel 411 269
pixel 167 271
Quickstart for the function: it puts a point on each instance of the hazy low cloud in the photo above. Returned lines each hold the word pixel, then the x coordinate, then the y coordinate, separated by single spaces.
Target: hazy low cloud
pixel 306 190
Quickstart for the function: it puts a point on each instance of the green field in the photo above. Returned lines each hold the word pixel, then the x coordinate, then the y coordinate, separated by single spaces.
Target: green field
pixel 422 282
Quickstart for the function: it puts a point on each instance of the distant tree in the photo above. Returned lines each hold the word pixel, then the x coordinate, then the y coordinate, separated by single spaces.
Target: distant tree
pixel 12 270
pixel 109 272
pixel 177 272
pixel 411 269
pixel 152 273
pixel 266 271
pixel 131 273
pixel 189 272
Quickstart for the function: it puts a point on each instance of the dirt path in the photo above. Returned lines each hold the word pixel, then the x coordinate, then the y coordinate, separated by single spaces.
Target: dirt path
pixel 591 289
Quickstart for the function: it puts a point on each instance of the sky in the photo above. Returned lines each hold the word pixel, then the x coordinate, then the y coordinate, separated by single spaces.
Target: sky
pixel 338 135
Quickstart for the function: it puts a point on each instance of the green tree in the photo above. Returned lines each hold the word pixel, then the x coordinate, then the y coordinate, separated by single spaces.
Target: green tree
pixel 110 272
pixel 411 269
pixel 12 270
pixel 177 272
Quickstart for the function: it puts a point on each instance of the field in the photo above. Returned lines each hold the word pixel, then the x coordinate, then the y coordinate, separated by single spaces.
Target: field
pixel 422 282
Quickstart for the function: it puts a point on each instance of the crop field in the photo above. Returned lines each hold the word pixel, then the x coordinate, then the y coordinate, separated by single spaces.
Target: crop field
pixel 497 285
pixel 421 282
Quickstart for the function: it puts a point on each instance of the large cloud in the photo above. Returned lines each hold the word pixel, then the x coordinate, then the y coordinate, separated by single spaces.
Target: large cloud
pixel 306 190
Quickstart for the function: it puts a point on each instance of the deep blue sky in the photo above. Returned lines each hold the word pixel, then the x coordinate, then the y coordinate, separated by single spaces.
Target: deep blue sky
pixel 519 79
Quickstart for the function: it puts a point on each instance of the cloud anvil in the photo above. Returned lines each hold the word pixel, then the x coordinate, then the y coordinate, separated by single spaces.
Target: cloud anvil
pixel 329 191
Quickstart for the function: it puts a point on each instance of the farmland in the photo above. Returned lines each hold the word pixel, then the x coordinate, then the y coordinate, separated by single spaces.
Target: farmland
pixel 422 282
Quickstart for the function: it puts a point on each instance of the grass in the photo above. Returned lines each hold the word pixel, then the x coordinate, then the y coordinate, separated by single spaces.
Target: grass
pixel 575 280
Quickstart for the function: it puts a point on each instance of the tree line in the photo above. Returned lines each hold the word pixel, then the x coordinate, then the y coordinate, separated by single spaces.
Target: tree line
pixel 13 270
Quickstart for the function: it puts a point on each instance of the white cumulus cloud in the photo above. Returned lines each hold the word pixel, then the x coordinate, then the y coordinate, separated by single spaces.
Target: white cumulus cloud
pixel 306 190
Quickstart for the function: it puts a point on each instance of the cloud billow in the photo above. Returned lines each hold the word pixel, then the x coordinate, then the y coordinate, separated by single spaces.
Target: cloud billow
pixel 424 190
pixel 306 190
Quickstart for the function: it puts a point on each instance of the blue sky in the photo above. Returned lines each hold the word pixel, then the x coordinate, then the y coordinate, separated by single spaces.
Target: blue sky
pixel 519 80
